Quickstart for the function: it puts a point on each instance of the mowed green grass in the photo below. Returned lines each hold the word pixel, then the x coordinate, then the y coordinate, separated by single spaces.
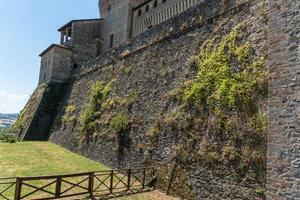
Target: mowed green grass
pixel 41 158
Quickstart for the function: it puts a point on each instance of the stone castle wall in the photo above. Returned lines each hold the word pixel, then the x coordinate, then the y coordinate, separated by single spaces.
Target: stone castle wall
pixel 155 63
pixel 56 65
pixel 147 16
pixel 85 44
pixel 284 100
pixel 117 25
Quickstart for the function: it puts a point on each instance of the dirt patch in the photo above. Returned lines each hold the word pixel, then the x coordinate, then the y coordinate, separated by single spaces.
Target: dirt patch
pixel 155 195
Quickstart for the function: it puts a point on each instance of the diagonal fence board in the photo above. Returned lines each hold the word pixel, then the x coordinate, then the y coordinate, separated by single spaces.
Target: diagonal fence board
pixel 103 185
pixel 7 187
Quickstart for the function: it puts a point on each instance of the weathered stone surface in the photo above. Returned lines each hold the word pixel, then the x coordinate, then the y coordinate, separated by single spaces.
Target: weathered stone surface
pixel 56 64
pixel 152 65
pixel 155 63
pixel 284 67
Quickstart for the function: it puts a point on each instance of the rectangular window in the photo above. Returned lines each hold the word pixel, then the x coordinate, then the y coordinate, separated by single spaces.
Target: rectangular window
pixel 111 41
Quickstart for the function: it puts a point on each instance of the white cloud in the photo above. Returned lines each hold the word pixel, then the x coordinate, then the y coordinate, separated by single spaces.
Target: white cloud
pixel 12 103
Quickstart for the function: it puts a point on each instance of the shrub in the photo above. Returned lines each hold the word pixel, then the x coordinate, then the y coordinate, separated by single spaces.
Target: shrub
pixel 119 124
pixel 69 114
pixel 6 136
pixel 219 87
pixel 98 92
pixel 113 103
pixel 133 97
pixel 225 100
pixel 127 70
pixel 261 192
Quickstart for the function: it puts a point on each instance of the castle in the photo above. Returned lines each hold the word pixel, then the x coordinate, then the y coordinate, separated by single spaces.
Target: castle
pixel 141 51
pixel 85 39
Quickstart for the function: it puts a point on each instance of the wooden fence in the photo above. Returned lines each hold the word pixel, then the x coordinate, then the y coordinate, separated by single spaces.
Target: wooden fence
pixel 91 185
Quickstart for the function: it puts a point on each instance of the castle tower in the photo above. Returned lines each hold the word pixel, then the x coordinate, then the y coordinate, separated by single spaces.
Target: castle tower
pixel 80 41
pixel 126 19
pixel 116 24
pixel 120 21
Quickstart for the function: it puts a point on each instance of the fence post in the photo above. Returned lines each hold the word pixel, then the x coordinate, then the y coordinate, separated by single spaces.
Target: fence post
pixel 58 187
pixel 144 178
pixel 154 178
pixel 172 176
pixel 128 179
pixel 91 184
pixel 111 181
pixel 18 189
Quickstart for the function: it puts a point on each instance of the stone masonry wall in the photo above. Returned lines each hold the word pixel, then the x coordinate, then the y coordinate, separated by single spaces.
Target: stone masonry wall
pixel 117 24
pixel 61 65
pixel 154 64
pixel 85 40
pixel 41 117
pixel 284 100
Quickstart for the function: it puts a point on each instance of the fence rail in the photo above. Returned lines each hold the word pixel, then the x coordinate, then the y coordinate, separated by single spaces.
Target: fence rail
pixel 91 185
pixel 6 186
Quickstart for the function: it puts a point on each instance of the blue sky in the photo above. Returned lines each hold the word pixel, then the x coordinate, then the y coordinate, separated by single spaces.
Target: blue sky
pixel 28 27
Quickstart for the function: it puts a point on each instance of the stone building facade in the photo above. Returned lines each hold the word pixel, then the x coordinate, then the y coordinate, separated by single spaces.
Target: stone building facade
pixel 86 39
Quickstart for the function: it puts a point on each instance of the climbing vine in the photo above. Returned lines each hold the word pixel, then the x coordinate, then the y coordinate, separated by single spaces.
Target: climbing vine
pixel 223 119
pixel 98 92
pixel 228 76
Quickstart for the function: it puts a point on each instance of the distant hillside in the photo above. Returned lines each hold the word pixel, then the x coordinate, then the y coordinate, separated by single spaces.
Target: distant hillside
pixel 6 120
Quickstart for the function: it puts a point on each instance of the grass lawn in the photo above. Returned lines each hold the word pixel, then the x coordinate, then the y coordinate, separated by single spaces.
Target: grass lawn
pixel 43 158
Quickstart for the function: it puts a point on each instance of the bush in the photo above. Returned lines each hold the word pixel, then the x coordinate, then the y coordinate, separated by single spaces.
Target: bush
pixel 69 114
pixel 98 92
pixel 226 100
pixel 6 136
pixel 119 124
pixel 228 76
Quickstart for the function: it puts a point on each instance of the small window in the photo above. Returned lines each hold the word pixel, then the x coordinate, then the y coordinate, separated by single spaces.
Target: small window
pixel 44 77
pixel 147 8
pixel 139 12
pixel 75 66
pixel 111 41
pixel 164 1
pixel 155 4
pixel 109 7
